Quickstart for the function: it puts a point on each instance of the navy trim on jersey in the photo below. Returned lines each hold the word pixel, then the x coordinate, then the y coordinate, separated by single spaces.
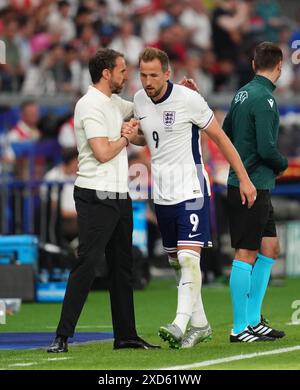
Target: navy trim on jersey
pixel 201 128
pixel 197 158
pixel 166 95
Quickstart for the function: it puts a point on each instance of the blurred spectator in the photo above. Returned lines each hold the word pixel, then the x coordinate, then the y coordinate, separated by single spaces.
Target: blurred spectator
pixel 66 135
pixel 61 196
pixel 195 19
pixel 12 72
pixel 23 41
pixel 88 39
pixel 195 71
pixel 172 39
pixel 128 43
pixel 269 11
pixel 64 68
pixel 60 20
pixel 26 128
pixel 228 19
pixel 150 21
pixel 285 82
pixel 82 18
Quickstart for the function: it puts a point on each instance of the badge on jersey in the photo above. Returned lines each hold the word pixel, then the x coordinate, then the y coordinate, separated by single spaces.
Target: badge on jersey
pixel 169 118
pixel 241 97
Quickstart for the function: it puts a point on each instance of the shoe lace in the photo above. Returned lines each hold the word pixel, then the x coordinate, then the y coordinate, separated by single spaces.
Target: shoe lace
pixel 191 334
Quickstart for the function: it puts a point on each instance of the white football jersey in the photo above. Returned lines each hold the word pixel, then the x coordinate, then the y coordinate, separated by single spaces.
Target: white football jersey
pixel 171 127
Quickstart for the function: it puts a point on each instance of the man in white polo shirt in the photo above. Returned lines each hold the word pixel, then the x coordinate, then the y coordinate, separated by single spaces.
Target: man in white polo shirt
pixel 102 202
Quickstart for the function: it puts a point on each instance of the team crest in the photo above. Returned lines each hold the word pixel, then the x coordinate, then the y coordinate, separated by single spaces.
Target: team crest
pixel 241 96
pixel 169 118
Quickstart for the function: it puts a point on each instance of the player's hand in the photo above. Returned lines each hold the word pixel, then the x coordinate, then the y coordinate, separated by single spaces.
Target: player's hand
pixel 189 83
pixel 130 129
pixel 248 193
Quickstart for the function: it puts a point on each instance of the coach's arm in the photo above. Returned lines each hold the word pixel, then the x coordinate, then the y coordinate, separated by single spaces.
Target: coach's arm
pixel 105 150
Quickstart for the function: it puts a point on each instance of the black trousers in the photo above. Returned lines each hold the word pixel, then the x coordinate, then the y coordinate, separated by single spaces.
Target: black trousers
pixel 105 225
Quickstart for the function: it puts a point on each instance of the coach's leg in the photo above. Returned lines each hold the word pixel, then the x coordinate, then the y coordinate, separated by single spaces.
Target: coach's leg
pixel 120 263
pixel 96 221
pixel 260 277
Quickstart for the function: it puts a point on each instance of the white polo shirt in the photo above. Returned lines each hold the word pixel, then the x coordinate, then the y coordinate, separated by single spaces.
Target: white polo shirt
pixel 97 115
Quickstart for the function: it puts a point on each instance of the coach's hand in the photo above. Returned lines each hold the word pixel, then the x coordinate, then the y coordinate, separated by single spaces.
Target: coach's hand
pixel 130 129
pixel 248 193
pixel 189 83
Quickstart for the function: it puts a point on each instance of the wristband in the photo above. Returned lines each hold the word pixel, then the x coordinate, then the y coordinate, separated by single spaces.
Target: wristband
pixel 127 140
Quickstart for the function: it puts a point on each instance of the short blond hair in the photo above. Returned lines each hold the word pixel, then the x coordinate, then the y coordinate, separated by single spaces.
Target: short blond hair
pixel 152 53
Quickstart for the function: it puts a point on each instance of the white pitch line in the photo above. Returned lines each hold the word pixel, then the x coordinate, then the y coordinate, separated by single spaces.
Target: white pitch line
pixel 22 364
pixel 55 359
pixel 35 363
pixel 207 363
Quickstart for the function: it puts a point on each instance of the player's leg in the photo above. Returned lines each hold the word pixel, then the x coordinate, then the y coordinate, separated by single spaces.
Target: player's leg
pixel 193 234
pixel 166 218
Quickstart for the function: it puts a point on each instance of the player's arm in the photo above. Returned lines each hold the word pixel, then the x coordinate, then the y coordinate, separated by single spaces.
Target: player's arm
pixel 247 189
pixel 138 139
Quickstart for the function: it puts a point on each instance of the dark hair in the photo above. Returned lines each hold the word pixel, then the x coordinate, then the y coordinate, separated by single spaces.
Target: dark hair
pixel 266 56
pixel 63 3
pixel 151 53
pixel 69 154
pixel 102 59
pixel 27 103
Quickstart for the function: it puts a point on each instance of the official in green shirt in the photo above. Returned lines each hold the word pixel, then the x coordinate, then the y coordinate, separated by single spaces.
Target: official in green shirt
pixel 252 125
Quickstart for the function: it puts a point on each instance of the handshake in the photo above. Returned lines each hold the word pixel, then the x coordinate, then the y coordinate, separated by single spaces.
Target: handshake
pixel 130 129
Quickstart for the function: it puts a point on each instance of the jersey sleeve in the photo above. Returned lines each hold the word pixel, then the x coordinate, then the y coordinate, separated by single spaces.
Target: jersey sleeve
pixel 200 113
pixel 94 124
pixel 125 106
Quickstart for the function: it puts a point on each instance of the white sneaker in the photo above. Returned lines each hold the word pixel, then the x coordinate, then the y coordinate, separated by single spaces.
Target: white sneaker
pixel 196 335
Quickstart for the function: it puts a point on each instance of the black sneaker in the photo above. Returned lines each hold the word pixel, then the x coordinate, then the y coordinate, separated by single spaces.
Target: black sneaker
pixel 248 336
pixel 60 344
pixel 263 329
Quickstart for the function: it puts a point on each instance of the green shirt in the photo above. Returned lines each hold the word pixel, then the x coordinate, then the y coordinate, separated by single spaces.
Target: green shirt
pixel 252 125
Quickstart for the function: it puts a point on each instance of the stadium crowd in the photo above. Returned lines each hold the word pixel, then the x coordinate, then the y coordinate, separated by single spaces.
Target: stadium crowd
pixel 50 42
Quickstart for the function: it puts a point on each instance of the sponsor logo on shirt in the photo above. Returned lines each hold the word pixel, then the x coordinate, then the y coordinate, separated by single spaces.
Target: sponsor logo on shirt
pixel 241 97
pixel 271 102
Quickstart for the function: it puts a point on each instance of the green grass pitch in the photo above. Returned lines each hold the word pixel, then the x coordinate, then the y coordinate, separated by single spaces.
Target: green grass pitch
pixel 156 306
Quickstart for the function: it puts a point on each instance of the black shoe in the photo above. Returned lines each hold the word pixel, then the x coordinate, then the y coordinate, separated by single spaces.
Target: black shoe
pixel 248 336
pixel 134 343
pixel 60 344
pixel 262 329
